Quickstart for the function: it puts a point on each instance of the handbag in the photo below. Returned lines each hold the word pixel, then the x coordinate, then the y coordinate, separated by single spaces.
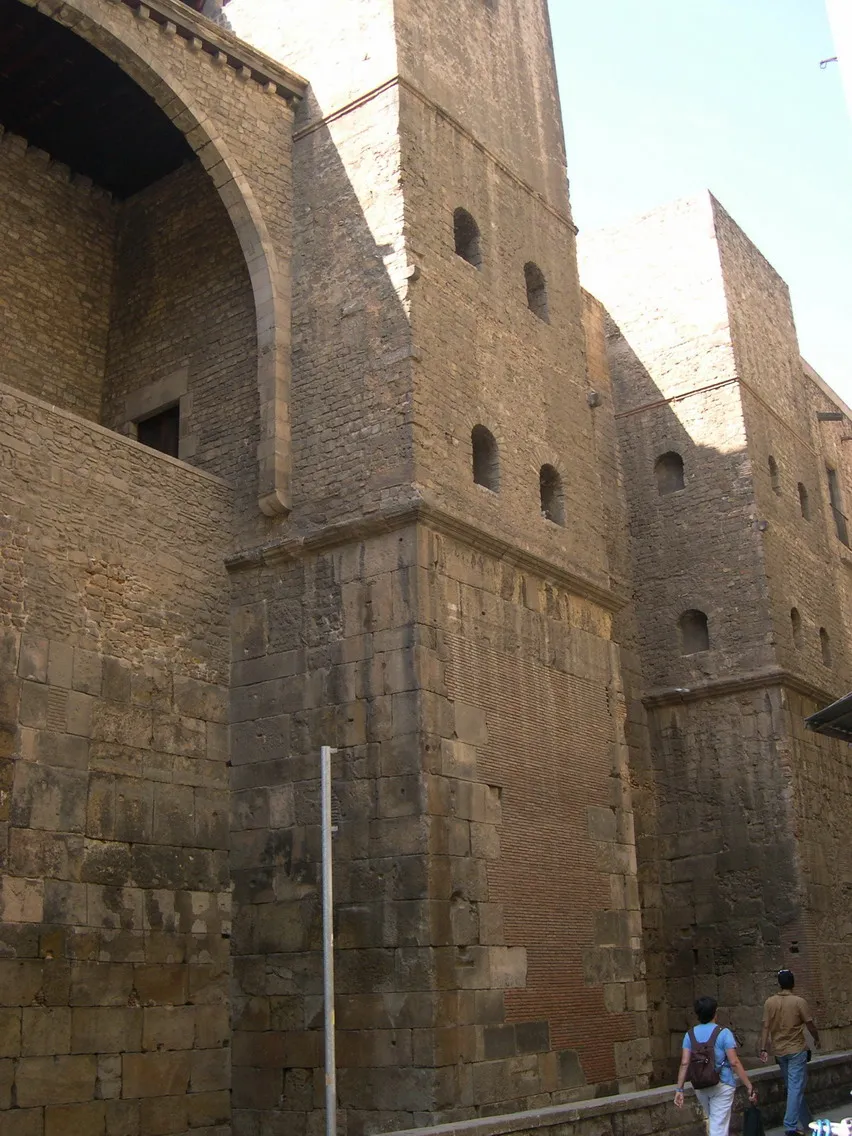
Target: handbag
pixel 753 1121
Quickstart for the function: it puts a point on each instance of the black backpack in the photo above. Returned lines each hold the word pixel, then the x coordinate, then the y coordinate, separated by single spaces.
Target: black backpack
pixel 702 1071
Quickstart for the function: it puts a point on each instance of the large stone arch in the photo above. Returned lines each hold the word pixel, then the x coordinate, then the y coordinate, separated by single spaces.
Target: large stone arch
pixel 270 283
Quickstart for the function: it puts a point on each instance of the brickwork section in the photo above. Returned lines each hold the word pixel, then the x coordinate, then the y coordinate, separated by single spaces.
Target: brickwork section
pixel 56 250
pixel 565 877
pixel 115 903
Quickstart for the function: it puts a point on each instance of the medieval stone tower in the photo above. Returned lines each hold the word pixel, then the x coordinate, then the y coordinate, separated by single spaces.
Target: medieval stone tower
pixel 440 606
pixel 307 437
pixel 302 451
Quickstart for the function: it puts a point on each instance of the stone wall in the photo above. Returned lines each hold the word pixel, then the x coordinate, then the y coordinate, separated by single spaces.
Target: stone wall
pixel 56 252
pixel 115 890
pixel 705 364
pixel 466 983
pixel 653 1111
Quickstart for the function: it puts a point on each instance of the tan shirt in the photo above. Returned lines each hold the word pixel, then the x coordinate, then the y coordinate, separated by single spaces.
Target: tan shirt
pixel 784 1016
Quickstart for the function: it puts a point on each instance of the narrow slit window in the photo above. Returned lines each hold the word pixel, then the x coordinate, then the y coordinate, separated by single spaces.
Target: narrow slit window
pixel 774 476
pixel 694 632
pixel 841 528
pixel 468 240
pixel 804 503
pixel 536 291
pixel 552 496
pixel 796 625
pixel 825 646
pixel 161 431
pixel 668 470
pixel 486 459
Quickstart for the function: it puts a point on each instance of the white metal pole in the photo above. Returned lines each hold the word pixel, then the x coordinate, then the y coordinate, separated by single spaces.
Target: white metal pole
pixel 328 948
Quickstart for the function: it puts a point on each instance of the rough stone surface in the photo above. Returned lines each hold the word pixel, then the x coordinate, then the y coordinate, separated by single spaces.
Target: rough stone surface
pixel 554 828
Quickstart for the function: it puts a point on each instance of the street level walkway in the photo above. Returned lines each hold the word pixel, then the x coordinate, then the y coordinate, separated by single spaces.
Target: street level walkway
pixel 835 1114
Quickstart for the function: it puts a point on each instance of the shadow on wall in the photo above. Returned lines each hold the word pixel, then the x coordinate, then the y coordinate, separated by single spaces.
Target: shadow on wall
pixel 715 835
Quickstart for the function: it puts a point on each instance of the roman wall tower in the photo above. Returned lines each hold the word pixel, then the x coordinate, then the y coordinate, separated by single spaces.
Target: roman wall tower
pixel 736 478
pixel 438 604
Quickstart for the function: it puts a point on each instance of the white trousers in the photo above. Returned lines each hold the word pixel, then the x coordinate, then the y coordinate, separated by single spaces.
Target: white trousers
pixel 717 1103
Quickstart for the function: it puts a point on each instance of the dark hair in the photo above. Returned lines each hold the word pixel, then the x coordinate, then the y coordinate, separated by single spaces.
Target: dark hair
pixel 705 1009
pixel 786 979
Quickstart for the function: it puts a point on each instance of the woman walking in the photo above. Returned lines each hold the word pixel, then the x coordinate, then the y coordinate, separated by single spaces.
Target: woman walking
pixel 716 1100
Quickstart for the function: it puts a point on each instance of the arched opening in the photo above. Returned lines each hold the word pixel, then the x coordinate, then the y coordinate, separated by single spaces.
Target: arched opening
pixel 536 291
pixel 825 646
pixel 467 238
pixel 796 626
pixel 694 632
pixel 774 476
pixel 668 470
pixel 804 503
pixel 123 327
pixel 552 496
pixel 486 458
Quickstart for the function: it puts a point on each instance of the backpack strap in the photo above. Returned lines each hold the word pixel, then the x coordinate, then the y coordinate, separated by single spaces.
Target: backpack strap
pixel 692 1037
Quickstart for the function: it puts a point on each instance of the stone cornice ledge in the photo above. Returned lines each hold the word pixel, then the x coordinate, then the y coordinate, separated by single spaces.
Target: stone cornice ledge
pixel 225 45
pixel 735 684
pixel 425 513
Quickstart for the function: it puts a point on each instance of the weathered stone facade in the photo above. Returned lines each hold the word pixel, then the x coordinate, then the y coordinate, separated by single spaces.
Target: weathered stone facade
pixel 745 864
pixel 393 519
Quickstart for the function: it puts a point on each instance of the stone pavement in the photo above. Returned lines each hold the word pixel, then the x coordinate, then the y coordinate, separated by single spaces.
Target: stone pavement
pixel 835 1114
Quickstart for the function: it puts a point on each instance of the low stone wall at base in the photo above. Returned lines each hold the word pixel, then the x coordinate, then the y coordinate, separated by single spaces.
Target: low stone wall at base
pixel 652 1111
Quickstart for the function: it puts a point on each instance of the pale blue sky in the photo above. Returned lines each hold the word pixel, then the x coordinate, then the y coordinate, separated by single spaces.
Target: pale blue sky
pixel 663 98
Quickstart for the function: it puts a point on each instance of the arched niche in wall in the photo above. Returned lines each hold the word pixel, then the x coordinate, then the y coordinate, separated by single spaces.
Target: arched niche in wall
pixel 694 632
pixel 668 472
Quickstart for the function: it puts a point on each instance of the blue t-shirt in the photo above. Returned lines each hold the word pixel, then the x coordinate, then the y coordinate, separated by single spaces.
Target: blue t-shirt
pixel 724 1041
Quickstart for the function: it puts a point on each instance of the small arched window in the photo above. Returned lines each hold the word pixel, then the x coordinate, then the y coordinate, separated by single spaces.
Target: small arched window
pixel 668 470
pixel 468 241
pixel 804 504
pixel 536 291
pixel 774 476
pixel 825 646
pixel 796 624
pixel 552 497
pixel 486 460
pixel 694 633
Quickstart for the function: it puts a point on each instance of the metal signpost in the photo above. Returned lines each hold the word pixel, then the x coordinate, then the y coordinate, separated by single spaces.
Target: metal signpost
pixel 328 947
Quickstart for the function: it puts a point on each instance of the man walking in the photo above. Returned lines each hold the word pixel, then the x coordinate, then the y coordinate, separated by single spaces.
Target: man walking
pixel 785 1016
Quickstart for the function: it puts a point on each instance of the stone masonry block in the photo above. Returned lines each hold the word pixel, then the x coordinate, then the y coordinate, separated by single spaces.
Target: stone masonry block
pixel 116 679
pixel 24 1122
pixel 105 1029
pixel 87 674
pixel 33 707
pixel 21 900
pixel 45 1031
pixel 55 1080
pixel 82 1119
pixel 60 664
pixel 168 1027
pixel 32 661
pixel 10 1032
pixel 156 1074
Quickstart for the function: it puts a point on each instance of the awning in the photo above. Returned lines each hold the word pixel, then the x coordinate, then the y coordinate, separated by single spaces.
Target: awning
pixel 835 720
